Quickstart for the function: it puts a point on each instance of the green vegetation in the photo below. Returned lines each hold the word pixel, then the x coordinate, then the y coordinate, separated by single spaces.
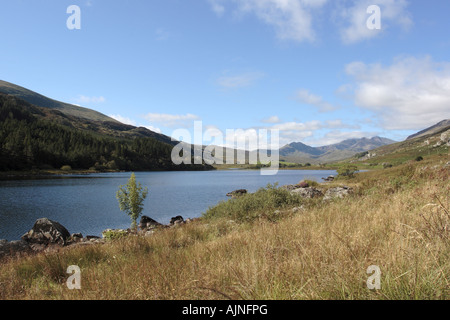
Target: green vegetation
pixel 131 198
pixel 347 171
pixel 396 219
pixel 30 141
pixel 114 234
pixel 265 203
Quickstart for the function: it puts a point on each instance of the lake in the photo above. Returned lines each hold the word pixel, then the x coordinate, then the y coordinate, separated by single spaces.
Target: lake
pixel 87 203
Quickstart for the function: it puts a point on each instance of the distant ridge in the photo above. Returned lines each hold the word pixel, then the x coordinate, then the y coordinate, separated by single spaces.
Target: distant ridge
pixel 300 153
pixel 431 130
pixel 45 102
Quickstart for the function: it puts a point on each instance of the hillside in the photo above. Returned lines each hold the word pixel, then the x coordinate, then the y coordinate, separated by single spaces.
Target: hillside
pixel 33 137
pixel 433 129
pixel 42 101
pixel 300 153
pixel 77 117
pixel 425 144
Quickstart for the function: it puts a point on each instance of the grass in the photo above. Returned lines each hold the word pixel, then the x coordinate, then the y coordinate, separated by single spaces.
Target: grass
pixel 397 219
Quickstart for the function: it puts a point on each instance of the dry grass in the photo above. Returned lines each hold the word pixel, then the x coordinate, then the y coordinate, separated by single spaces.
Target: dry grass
pixel 397 220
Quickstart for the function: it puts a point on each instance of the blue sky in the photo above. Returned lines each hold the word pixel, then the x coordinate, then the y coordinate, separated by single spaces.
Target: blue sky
pixel 310 68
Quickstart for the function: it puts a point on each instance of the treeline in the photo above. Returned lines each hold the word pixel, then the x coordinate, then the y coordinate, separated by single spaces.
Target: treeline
pixel 30 141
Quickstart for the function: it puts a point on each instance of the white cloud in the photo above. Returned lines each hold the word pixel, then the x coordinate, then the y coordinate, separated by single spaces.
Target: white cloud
pixel 292 19
pixel 217 6
pixel 393 12
pixel 304 96
pixel 410 94
pixel 122 119
pixel 273 119
pixel 337 136
pixel 239 81
pixel 85 99
pixel 172 120
pixel 152 128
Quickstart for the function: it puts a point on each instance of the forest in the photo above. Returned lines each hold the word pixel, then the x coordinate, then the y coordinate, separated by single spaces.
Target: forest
pixel 30 140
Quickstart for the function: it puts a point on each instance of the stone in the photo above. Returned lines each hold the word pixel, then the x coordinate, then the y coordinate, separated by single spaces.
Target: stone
pixel 14 248
pixel 176 220
pixel 309 192
pixel 46 232
pixel 303 184
pixel 337 192
pixel 237 193
pixel 148 223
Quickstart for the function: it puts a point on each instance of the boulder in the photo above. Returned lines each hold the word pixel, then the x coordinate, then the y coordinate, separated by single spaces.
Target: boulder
pixel 309 192
pixel 13 248
pixel 47 232
pixel 177 220
pixel 237 193
pixel 337 192
pixel 303 184
pixel 147 223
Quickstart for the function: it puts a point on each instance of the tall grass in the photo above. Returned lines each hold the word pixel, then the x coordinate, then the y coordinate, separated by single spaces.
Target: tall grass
pixel 322 252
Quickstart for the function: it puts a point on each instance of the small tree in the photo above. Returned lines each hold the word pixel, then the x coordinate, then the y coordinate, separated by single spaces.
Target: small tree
pixel 131 198
pixel 347 171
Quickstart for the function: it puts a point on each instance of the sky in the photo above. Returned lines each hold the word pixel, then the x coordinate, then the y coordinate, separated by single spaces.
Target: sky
pixel 312 69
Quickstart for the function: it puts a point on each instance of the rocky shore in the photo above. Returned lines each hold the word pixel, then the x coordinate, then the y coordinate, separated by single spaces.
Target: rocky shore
pixel 47 235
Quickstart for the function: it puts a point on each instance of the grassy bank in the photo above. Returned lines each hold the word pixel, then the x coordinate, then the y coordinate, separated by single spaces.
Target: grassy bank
pixel 260 247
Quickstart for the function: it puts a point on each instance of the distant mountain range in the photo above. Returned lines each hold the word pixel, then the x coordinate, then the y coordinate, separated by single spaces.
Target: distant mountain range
pixel 298 152
pixel 36 107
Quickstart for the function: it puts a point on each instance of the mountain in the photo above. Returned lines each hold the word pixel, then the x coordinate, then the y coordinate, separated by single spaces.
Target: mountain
pixel 431 130
pixel 77 117
pixel 433 142
pixel 60 135
pixel 39 100
pixel 300 153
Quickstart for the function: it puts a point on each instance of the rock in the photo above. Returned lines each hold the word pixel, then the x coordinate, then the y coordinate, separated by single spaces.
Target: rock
pixel 14 248
pixel 337 192
pixel 329 178
pixel 46 232
pixel 237 193
pixel 176 221
pixel 303 184
pixel 76 237
pixel 289 187
pixel 298 209
pixel 148 223
pixel 309 192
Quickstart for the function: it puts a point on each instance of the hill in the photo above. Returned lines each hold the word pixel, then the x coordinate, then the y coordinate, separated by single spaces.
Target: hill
pixel 298 152
pixel 433 129
pixel 431 142
pixel 78 117
pixel 33 137
pixel 42 101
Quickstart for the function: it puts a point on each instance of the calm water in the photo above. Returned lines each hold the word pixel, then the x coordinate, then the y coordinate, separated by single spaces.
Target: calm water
pixel 87 204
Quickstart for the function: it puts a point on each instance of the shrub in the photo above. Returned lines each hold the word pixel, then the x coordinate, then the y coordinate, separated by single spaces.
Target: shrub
pixel 66 168
pixel 131 199
pixel 419 158
pixel 265 203
pixel 347 171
